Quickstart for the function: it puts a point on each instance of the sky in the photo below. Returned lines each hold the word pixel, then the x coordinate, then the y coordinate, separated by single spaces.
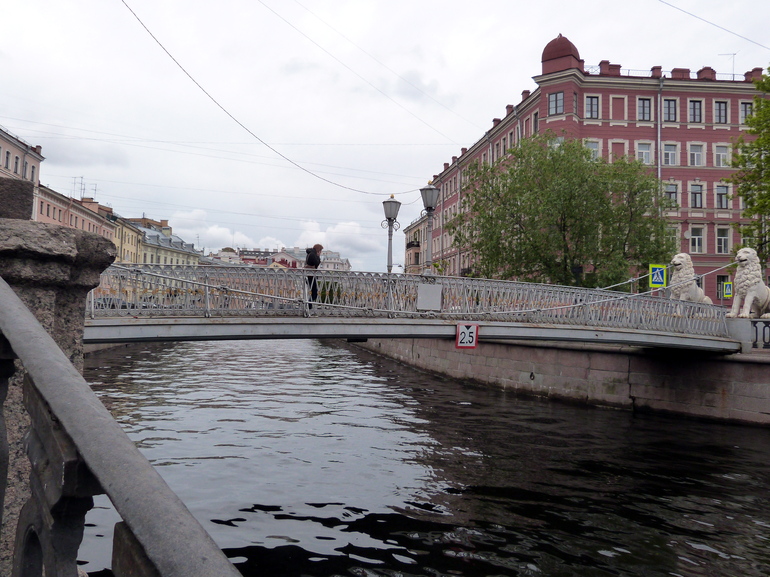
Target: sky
pixel 272 123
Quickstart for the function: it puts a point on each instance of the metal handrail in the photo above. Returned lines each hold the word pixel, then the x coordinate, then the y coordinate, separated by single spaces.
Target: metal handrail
pixel 171 537
pixel 180 291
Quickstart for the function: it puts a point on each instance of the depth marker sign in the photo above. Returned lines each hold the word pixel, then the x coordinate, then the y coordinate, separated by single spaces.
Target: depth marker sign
pixel 657 275
pixel 467 336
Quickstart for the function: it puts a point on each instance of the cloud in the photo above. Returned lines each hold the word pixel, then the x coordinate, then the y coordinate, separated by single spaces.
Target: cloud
pixel 270 242
pixel 83 154
pixel 193 226
pixel 347 238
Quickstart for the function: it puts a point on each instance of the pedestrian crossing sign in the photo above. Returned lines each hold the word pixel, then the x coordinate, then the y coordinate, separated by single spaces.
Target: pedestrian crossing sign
pixel 657 275
pixel 727 290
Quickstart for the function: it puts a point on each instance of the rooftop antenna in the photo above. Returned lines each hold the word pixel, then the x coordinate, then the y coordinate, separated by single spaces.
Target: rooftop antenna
pixel 732 54
pixel 75 186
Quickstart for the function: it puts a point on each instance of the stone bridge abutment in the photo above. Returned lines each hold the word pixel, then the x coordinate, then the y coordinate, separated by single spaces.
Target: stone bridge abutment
pixel 731 388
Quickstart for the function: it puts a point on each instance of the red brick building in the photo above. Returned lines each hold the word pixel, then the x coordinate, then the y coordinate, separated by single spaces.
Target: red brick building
pixel 682 124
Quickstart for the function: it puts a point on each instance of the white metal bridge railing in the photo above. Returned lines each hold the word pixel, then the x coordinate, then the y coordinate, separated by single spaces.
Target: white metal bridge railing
pixel 220 291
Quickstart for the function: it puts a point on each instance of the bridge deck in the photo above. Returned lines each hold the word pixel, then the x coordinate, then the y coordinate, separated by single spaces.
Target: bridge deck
pixel 112 330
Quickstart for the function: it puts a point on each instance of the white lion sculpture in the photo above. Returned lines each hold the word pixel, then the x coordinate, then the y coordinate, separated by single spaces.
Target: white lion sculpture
pixel 749 287
pixel 683 285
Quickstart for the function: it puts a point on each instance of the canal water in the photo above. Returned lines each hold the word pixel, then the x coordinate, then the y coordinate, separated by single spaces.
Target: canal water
pixel 304 458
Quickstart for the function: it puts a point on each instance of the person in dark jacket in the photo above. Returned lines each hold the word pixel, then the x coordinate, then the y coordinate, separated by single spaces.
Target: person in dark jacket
pixel 313 260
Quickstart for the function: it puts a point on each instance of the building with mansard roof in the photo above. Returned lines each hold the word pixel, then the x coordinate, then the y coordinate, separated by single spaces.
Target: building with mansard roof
pixel 159 245
pixel 680 123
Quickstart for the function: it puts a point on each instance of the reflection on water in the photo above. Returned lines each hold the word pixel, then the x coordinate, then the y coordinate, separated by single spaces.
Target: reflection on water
pixel 302 458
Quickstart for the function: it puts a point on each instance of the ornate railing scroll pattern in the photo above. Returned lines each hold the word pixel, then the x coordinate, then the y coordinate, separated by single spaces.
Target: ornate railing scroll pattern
pixel 249 291
pixel 77 450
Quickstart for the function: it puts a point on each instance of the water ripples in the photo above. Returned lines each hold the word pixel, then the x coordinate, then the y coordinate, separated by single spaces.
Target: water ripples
pixel 302 458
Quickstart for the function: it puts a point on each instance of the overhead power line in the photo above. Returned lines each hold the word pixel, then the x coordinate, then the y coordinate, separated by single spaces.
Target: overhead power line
pixel 714 24
pixel 389 69
pixel 239 123
pixel 356 73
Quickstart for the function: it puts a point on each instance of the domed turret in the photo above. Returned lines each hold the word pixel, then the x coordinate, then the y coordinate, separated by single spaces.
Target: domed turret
pixel 560 54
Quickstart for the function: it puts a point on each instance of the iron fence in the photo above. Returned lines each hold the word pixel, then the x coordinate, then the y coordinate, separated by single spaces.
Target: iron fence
pixel 180 291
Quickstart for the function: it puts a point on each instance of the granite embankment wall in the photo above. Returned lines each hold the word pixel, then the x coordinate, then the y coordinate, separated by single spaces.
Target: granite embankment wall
pixel 727 388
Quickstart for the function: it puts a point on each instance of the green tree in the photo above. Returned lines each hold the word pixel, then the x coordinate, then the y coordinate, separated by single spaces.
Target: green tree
pixel 751 158
pixel 551 213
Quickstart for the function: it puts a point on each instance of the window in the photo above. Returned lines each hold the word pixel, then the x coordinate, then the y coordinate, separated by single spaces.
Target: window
pixel 7 159
pixel 696 239
pixel 696 155
pixel 696 111
pixel 593 146
pixel 672 193
pixel 592 107
pixel 747 108
pixel 670 153
pixel 723 199
pixel 32 176
pixel 721 280
pixel 644 109
pixel 24 171
pixel 535 122
pixel 555 103
pixel 723 240
pixel 16 165
pixel 721 158
pixel 720 112
pixel 644 152
pixel 696 196
pixel 669 110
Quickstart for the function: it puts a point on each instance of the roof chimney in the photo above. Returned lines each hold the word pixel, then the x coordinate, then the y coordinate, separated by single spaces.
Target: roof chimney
pixel 680 73
pixel 707 73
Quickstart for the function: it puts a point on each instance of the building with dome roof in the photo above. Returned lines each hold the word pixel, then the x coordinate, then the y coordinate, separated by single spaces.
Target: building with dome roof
pixel 680 123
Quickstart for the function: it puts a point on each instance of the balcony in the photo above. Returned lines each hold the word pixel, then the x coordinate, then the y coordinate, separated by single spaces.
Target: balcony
pixel 413 244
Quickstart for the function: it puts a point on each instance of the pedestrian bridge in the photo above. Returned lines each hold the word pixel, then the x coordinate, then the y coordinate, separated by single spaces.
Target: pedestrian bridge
pixel 164 303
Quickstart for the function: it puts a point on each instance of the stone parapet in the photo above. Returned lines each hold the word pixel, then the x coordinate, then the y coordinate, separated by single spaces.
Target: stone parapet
pixel 51 269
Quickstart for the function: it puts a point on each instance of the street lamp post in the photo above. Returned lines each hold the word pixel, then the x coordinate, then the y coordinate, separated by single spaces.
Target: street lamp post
pixel 391 207
pixel 430 196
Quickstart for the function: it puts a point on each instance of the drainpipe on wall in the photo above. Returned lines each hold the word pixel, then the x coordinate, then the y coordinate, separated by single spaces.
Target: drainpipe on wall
pixel 658 120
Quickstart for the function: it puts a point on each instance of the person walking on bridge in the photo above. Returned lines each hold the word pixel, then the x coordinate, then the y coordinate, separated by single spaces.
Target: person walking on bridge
pixel 313 261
